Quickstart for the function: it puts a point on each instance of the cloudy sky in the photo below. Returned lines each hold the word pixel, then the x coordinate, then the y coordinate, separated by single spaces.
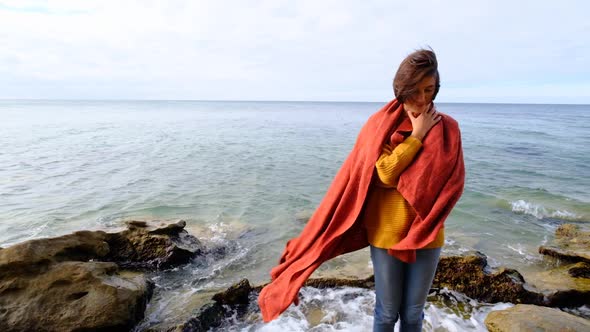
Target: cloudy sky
pixel 488 51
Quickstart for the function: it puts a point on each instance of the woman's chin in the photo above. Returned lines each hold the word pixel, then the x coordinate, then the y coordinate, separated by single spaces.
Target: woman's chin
pixel 415 112
pixel 419 110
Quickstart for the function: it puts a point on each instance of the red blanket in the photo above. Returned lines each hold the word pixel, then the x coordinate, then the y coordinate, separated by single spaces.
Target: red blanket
pixel 432 184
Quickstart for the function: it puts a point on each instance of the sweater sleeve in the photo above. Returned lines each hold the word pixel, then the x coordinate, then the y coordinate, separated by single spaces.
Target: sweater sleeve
pixel 392 163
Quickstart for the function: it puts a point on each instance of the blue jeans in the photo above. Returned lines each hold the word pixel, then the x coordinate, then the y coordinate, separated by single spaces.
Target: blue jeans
pixel 401 288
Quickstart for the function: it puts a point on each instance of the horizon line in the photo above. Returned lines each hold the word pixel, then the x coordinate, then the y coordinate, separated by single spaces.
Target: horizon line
pixel 273 101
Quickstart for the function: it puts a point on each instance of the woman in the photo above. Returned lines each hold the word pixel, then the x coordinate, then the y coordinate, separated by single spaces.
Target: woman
pixel 401 288
pixel 394 191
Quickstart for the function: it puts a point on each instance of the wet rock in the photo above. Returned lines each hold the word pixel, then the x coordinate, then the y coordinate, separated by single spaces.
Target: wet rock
pixel 566 231
pixel 153 244
pixel 71 296
pixel 233 299
pixel 218 251
pixel 36 255
pixel 564 254
pixel 368 283
pixel 530 318
pixel 74 282
pixel 209 316
pixel 468 275
pixel 561 287
pixel 145 244
pixel 580 270
pixel 567 285
pixel 236 294
pixel 571 244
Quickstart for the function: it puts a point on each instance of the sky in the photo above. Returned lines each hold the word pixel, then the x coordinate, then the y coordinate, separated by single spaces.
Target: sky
pixel 305 50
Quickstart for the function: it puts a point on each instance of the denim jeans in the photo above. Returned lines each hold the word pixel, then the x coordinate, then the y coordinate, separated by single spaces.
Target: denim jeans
pixel 401 288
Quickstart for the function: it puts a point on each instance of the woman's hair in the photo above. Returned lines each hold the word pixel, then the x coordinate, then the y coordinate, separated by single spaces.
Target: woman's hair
pixel 416 66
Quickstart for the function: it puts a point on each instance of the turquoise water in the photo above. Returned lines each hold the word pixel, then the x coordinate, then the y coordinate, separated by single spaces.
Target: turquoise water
pixel 248 174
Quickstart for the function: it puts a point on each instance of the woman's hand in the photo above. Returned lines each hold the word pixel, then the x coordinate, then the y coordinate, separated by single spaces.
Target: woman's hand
pixel 422 123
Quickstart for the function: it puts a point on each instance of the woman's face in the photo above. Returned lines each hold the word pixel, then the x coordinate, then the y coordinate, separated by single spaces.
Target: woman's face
pixel 420 101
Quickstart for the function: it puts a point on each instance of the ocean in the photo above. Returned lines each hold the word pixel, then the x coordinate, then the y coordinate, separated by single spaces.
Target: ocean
pixel 247 175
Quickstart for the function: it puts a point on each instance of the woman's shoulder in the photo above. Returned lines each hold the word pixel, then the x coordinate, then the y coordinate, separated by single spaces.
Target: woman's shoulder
pixel 449 121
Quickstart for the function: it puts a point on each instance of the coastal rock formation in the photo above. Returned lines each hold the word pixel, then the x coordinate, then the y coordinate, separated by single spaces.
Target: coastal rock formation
pixel 461 273
pixel 152 244
pixel 368 283
pixel 467 274
pixel 564 286
pixel 50 285
pixel 571 244
pixel 529 318
pixel 235 298
pixel 569 284
pixel 74 282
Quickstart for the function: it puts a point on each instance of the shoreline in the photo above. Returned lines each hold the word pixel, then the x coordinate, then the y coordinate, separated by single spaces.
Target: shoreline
pixel 93 249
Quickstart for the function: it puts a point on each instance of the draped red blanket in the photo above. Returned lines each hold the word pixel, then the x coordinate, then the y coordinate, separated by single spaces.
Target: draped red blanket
pixel 432 185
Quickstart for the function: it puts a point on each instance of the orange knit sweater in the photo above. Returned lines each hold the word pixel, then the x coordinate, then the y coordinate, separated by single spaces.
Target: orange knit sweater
pixel 388 216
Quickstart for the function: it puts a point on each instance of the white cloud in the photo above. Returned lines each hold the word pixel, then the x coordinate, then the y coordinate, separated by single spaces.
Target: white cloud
pixel 295 50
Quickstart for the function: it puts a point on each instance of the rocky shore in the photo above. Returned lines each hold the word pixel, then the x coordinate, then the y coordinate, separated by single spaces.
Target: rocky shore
pixel 94 281
pixel 566 286
pixel 88 281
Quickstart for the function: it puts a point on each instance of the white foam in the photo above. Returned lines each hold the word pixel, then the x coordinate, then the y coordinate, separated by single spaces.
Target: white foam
pixel 583 311
pixel 443 319
pixel 449 241
pixel 341 309
pixel 471 318
pixel 541 212
pixel 351 309
pixel 219 230
pixel 522 251
pixel 564 215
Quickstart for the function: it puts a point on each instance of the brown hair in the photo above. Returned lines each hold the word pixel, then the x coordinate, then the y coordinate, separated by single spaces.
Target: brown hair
pixel 415 67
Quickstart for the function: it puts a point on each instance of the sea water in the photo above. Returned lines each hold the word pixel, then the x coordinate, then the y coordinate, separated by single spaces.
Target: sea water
pixel 247 175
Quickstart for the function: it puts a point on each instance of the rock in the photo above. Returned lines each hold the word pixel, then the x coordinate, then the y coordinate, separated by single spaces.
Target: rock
pixel 567 231
pixel 36 255
pixel 236 294
pixel 560 287
pixel 209 316
pixel 530 318
pixel 145 244
pixel 580 270
pixel 467 274
pixel 153 244
pixel 571 244
pixel 567 285
pixel 368 283
pixel 73 282
pixel 565 255
pixel 235 298
pixel 72 296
